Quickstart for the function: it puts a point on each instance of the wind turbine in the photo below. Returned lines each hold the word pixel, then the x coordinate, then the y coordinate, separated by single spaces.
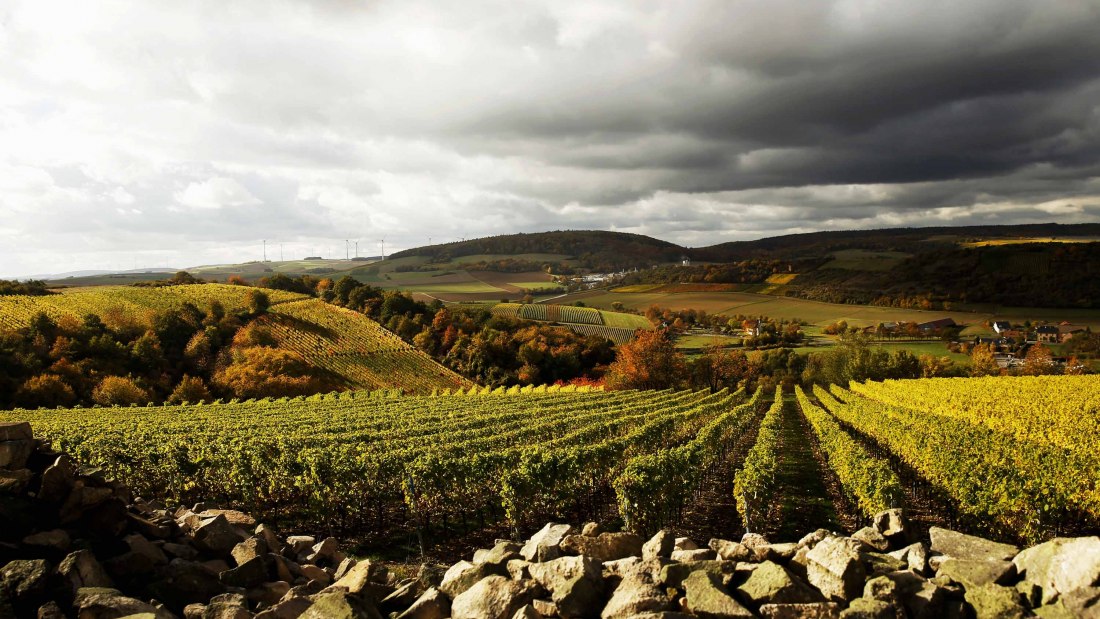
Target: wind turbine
pixel 383 243
pixel 357 248
pixel 347 254
pixel 265 250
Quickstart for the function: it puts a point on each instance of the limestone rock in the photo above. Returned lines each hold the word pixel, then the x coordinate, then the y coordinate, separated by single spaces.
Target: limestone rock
pixel 493 597
pixel 546 544
pixel 995 602
pixel 575 584
pixel 56 540
pixel 889 523
pixel 80 569
pixel 106 603
pixel 216 535
pixel 970 573
pixel 730 551
pixel 23 579
pixel 835 568
pixel 863 608
pixel 660 545
pixel 463 575
pixel 432 604
pixel 699 554
pixel 1061 565
pixel 591 529
pixel 821 610
pixel 872 538
pixel 635 595
pixel 960 545
pixel 915 556
pixel 605 546
pixel 771 583
pixel 339 605
pixel 706 597
pixel 674 574
pixel 500 554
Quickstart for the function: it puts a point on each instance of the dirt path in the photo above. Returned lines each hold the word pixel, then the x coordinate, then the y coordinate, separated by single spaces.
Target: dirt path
pixel 807 498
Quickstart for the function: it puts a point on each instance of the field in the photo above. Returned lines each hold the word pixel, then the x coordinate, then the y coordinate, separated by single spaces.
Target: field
pixel 452 282
pixel 350 346
pixel 1037 239
pixel 865 260
pixel 697 341
pixel 818 313
pixel 618 327
pixel 974 453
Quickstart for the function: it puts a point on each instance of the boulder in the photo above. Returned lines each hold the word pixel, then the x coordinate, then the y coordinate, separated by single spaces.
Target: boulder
pixel 235 518
pixel 575 584
pixel 56 540
pixel 698 554
pixel 592 529
pixel 546 544
pixel 24 579
pixel 249 549
pixel 835 568
pixel 463 575
pixel 500 554
pixel 250 574
pixel 605 546
pixel 80 569
pixel 14 454
pixel 811 539
pixel 877 564
pixel 316 574
pixel 400 599
pixel 872 539
pixel 915 556
pixel 706 597
pixel 432 604
pixel 16 431
pixel 1061 565
pixel 685 543
pixel 636 594
pixel 339 605
pixel 363 579
pixel 326 553
pixel 183 582
pixel 995 601
pixel 969 573
pixel 863 608
pixel 268 594
pixel 660 545
pixel 300 543
pixel 889 523
pixel 962 546
pixel 771 583
pixel 15 482
pixel 730 551
pixel 216 535
pixel 674 574
pixel 106 603
pixel 290 607
pixel 493 597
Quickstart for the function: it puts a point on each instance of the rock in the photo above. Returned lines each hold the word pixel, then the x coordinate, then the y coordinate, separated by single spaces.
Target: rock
pixel 432 604
pixel 316 574
pixel 222 610
pixel 290 607
pixel 183 582
pixel 216 535
pixel 430 575
pixel 400 599
pixel 605 546
pixel 636 594
pixel 14 454
pixel 699 554
pixel 821 610
pixel 106 603
pixel 877 564
pixel 685 543
pixel 872 538
pixel 269 593
pixel 56 540
pixel 493 597
pixel 674 574
pixel 146 549
pixel 778 552
pixel 519 569
pixel 730 551
pixel 250 574
pixel 300 543
pixel 528 611
pixel 340 605
pixel 363 580
pixel 752 540
pixel 24 579
pixel 270 537
pixel 463 575
pixel 50 610
pixel 546 544
pixel 80 569
pixel 811 539
pixel 922 599
pixel 235 518
pixel 971 574
pixel 16 431
pixel 500 554
pixel 592 529
pixel 15 482
pixel 660 545
pixel 1061 565
pixel 915 556
pixel 326 553
pixel 182 551
pixel 889 523
pixel 863 608
pixel 249 549
pixel 835 568
pixel 1030 593
pixel 994 601
pixel 544 608
pixel 962 546
pixel 771 583
pixel 575 583
pixel 706 597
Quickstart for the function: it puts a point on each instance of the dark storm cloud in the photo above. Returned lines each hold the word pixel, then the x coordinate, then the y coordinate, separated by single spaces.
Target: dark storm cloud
pixel 138 127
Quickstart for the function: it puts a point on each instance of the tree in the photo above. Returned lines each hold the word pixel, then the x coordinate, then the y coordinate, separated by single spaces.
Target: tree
pixel 191 389
pixel 982 362
pixel 119 391
pixel 258 302
pixel 718 367
pixel 650 361
pixel 45 390
pixel 1038 361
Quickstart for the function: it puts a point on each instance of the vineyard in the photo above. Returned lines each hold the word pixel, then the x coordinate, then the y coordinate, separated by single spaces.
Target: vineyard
pixel 618 327
pixel 350 346
pixel 470 459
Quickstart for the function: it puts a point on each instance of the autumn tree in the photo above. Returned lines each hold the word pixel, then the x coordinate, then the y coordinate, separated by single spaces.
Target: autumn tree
pixel 190 389
pixel 45 390
pixel 119 391
pixel 1038 361
pixel 982 362
pixel 650 361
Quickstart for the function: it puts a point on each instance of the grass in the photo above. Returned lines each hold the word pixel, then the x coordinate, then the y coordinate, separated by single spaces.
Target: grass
pixel 460 288
pixel 781 278
pixel 543 284
pixel 1036 239
pixel 625 321
pixel 698 340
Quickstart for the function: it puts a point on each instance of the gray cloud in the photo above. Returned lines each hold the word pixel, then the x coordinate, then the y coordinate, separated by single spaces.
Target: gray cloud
pixel 183 133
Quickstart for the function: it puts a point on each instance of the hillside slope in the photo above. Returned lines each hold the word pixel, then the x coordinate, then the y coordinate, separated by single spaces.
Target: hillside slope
pixel 355 350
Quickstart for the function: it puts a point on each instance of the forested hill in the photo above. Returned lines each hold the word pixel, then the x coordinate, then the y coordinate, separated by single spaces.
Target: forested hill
pixel 595 249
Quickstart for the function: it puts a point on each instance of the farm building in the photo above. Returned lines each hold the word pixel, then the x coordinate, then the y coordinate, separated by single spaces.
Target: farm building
pixel 1047 333
pixel 1067 330
pixel 1001 326
pixel 936 325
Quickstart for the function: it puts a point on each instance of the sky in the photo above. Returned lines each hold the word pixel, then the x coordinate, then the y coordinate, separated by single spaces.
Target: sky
pixel 157 133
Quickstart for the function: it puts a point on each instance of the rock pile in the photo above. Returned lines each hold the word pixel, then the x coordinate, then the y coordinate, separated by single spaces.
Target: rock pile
pixel 73 544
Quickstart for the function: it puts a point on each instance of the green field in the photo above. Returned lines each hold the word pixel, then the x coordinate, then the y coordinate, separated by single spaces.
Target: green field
pixel 819 313
pixel 696 341
pixel 865 260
